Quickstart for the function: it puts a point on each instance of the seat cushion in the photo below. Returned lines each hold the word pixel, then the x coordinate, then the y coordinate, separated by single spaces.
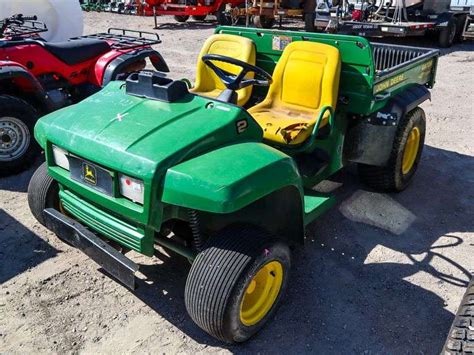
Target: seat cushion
pixel 77 51
pixel 207 82
pixel 287 126
pixel 305 79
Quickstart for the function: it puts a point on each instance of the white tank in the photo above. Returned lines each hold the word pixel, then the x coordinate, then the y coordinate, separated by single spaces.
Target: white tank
pixel 63 17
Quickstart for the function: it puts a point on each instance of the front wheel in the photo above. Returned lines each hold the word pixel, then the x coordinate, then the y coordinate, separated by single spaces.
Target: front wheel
pixel 236 283
pixel 43 192
pixel 18 149
pixel 404 158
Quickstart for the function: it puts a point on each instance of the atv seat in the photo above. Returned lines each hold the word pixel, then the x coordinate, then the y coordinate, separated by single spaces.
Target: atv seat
pixel 77 51
pixel 305 81
pixel 207 82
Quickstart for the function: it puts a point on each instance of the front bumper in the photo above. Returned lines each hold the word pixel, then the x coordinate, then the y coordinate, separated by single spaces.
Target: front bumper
pixel 74 233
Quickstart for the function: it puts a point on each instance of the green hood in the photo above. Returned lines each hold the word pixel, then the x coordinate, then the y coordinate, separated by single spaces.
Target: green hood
pixel 136 136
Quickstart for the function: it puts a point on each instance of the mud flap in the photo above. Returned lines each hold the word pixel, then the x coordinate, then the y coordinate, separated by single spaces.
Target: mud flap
pixel 74 233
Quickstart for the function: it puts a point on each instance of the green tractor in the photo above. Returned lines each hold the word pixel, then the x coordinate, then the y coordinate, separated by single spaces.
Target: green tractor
pixel 223 173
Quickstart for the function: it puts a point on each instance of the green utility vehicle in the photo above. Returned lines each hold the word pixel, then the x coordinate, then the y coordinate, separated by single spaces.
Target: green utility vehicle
pixel 223 173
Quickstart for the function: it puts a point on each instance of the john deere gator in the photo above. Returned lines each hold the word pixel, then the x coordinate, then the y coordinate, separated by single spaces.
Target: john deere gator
pixel 224 172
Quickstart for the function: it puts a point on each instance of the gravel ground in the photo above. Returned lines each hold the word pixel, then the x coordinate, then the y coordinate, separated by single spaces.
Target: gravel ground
pixel 383 273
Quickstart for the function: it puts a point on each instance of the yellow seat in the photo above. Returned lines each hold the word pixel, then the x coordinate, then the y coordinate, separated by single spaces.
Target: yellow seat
pixel 207 82
pixel 306 78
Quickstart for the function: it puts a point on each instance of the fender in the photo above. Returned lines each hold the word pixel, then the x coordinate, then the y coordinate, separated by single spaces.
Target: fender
pixel 115 66
pixel 370 140
pixel 443 19
pixel 230 178
pixel 26 83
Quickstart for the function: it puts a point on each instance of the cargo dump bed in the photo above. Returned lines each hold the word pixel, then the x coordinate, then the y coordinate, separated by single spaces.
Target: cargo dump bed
pixel 371 73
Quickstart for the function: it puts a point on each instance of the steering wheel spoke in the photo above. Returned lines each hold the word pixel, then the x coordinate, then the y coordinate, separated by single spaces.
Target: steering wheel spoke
pixel 237 81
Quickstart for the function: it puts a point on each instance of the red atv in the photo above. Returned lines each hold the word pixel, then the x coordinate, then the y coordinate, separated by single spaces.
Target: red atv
pixel 37 77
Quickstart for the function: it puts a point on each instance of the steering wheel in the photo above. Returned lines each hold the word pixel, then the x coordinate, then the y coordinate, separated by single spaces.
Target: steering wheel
pixel 235 82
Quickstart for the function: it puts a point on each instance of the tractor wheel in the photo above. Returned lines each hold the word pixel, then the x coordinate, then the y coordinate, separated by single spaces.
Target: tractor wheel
pixel 404 159
pixel 18 148
pixel 236 283
pixel 181 18
pixel 199 18
pixel 43 192
pixel 263 21
pixel 461 335
pixel 448 33
pixel 309 22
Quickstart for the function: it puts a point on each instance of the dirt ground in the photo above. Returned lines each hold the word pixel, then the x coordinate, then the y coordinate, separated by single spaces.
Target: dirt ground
pixel 382 273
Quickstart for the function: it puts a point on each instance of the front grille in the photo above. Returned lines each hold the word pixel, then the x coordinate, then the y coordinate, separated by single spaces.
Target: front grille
pixel 103 223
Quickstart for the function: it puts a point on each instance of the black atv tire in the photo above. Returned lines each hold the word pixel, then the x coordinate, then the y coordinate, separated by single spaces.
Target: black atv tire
pixel 43 192
pixel 391 178
pixel 200 18
pixel 18 148
pixel 181 18
pixel 461 335
pixel 223 273
pixel 263 21
pixel 447 35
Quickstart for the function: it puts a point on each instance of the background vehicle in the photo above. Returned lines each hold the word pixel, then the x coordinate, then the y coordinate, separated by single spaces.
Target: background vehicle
pixel 198 9
pixel 231 187
pixel 461 335
pixel 38 77
pixel 444 19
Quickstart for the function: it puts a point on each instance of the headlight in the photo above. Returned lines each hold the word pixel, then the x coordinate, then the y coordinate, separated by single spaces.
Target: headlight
pixel 131 188
pixel 60 157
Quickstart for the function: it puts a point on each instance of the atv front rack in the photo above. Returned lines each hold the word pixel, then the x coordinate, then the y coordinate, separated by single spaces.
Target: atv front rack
pixel 123 39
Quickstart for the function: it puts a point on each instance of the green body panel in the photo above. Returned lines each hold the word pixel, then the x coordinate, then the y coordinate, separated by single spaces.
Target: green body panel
pixel 193 153
pixel 229 178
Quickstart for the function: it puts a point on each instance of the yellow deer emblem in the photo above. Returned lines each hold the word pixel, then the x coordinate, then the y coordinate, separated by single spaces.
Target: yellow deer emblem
pixel 89 174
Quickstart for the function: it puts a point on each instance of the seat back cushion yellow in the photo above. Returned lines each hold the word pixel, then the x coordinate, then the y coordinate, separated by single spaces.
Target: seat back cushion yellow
pixel 306 78
pixel 207 82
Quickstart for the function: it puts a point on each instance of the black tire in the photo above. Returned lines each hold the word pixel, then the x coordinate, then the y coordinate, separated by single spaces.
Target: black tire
pixel 43 192
pixel 223 19
pixel 199 18
pixel 181 18
pixel 221 275
pixel 447 35
pixel 309 22
pixel 391 178
pixel 263 21
pixel 461 335
pixel 18 148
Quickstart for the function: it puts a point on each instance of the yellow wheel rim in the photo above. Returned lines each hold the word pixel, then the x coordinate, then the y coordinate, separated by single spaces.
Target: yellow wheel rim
pixel 411 150
pixel 261 293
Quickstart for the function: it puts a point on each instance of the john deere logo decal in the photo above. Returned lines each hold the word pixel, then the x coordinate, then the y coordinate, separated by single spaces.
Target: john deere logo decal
pixel 89 174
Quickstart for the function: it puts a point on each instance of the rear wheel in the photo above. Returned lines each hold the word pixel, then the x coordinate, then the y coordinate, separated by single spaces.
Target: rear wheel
pixel 181 18
pixel 404 158
pixel 199 18
pixel 18 149
pixel 236 283
pixel 448 33
pixel 43 192
pixel 263 21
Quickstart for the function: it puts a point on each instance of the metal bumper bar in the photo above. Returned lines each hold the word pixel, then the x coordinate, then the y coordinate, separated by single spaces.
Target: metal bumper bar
pixel 110 259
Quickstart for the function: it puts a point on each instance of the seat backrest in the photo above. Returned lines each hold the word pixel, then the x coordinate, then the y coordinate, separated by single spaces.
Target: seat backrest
pixel 306 77
pixel 237 47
